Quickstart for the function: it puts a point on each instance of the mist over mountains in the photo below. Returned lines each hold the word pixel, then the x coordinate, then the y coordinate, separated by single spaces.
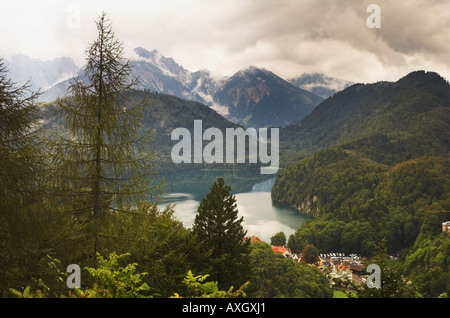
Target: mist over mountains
pixel 40 75
pixel 251 97
pixel 320 84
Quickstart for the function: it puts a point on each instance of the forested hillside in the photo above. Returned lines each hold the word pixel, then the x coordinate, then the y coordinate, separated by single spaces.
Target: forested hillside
pixel 388 122
pixel 383 172
pixel 162 114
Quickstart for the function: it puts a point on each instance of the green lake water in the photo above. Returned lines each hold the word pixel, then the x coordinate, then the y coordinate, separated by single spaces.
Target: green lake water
pixel 262 216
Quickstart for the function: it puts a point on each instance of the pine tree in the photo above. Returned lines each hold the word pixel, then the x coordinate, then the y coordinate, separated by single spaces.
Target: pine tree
pixel 219 228
pixel 103 164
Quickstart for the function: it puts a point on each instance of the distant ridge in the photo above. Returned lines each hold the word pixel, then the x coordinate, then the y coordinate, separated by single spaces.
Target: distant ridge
pixel 251 97
pixel 410 116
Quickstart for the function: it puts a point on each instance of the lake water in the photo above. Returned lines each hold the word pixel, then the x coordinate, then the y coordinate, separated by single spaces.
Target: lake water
pixel 262 216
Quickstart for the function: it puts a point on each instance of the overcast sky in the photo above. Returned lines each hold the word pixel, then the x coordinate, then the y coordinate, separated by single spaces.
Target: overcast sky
pixel 286 37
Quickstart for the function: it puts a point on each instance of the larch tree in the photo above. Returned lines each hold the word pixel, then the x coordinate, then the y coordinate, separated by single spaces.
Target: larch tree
pixel 102 161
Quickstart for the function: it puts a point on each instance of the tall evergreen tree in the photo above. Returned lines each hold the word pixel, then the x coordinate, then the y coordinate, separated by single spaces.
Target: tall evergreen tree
pixel 103 163
pixel 219 228
pixel 20 184
pixel 18 144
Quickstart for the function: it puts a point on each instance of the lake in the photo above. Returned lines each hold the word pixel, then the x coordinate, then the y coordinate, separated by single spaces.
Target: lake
pixel 262 216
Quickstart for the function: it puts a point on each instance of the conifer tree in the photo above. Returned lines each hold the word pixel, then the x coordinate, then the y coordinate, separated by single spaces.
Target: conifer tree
pixel 20 182
pixel 18 144
pixel 219 228
pixel 103 164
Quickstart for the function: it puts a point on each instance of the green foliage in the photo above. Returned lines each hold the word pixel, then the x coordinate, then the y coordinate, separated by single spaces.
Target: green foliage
pixel 428 264
pixel 117 282
pixel 110 281
pixel 220 230
pixel 23 218
pixel 278 239
pixel 100 161
pixel 19 147
pixel 274 276
pixel 157 241
pixel 198 289
pixel 392 282
pixel 310 254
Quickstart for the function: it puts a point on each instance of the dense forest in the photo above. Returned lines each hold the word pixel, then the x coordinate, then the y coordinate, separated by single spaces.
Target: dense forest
pixel 379 170
pixel 388 122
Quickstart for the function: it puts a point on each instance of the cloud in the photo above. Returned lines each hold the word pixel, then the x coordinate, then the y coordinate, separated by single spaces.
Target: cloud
pixel 287 37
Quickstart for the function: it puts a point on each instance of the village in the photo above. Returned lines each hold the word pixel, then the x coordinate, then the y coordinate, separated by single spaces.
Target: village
pixel 341 269
pixel 338 267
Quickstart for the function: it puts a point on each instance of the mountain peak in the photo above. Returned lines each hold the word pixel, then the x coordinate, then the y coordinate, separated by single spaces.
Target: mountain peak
pixel 253 96
pixel 251 70
pixel 422 75
pixel 141 52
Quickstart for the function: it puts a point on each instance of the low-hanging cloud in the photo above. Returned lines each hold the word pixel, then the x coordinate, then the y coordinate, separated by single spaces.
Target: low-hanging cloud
pixel 287 37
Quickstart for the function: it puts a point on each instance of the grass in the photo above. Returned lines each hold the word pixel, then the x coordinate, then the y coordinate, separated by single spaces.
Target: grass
pixel 340 294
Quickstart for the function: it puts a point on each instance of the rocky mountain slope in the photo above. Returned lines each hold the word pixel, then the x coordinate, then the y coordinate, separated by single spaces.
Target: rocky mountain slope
pixel 251 97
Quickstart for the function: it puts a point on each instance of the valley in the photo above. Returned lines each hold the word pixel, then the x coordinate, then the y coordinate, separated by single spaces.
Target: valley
pixel 358 165
pixel 204 155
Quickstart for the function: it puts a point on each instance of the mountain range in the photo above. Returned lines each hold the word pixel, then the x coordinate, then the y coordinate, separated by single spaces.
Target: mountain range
pixel 252 97
pixel 388 121
pixel 350 139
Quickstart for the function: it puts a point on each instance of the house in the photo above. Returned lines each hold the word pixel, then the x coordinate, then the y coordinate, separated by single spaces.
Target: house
pixel 335 260
pixel 341 271
pixel 356 268
pixel 282 250
pixel 253 239
pixel 446 227
pixel 358 272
